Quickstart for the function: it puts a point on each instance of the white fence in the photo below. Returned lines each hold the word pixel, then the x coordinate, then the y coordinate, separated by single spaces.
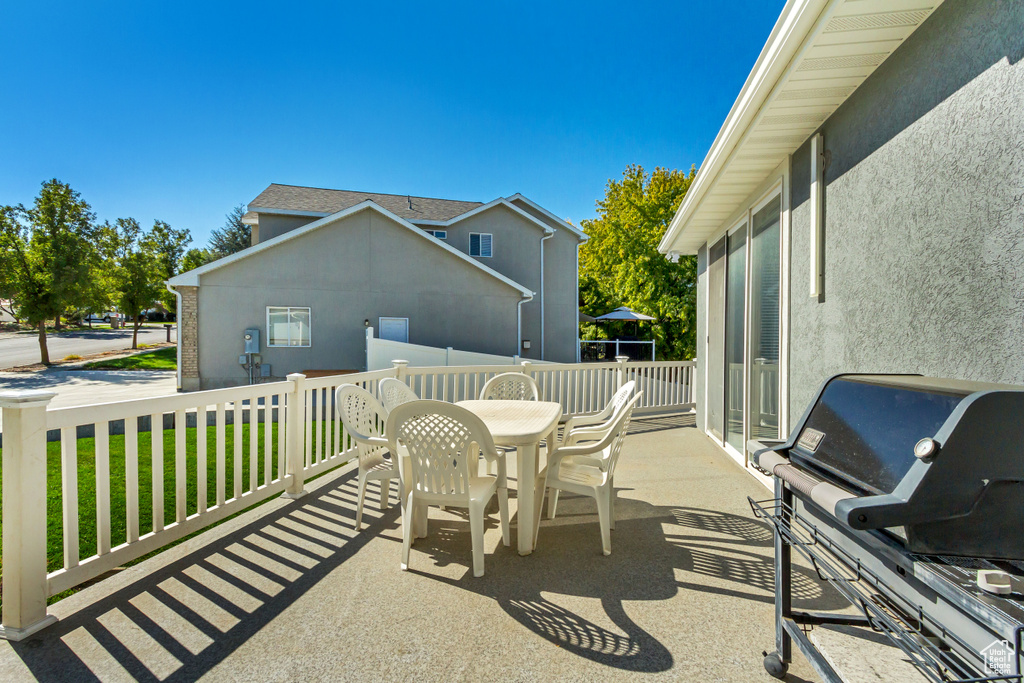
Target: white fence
pixel 281 434
pixel 380 353
pixel 609 349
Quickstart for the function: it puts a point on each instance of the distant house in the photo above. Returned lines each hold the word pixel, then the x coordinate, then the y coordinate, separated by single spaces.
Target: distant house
pixel 861 210
pixel 498 278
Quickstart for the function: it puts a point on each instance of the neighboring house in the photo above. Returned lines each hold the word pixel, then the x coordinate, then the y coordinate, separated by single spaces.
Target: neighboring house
pixel 497 278
pixel 861 210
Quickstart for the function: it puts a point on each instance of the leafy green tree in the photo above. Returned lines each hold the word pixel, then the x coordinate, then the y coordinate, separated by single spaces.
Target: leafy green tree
pixel 136 267
pixel 194 258
pixel 169 245
pixel 47 255
pixel 620 265
pixel 233 237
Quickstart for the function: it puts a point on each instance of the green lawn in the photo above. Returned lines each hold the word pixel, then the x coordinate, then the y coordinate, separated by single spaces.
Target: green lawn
pixel 118 515
pixel 164 359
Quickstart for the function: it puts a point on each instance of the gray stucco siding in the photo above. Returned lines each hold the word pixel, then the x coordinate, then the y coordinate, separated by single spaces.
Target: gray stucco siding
pixel 271 225
pixel 924 212
pixel 361 267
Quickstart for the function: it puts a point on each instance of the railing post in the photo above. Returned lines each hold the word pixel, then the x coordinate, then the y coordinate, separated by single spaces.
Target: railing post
pixel 525 367
pixel 24 508
pixel 400 365
pixel 622 360
pixel 293 446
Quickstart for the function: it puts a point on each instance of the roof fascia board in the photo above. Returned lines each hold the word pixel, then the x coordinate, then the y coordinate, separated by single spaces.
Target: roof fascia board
pixel 563 223
pixel 798 21
pixel 191 278
pixel 287 212
pixel 501 201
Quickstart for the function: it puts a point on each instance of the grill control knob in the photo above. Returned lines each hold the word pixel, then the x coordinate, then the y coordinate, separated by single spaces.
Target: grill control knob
pixel 926 448
pixel 994 581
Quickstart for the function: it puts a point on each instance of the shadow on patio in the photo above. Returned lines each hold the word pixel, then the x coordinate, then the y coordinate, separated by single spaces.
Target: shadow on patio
pixel 290 590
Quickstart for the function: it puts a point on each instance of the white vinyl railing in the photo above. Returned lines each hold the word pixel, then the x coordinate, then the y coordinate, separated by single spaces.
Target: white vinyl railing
pixel 281 433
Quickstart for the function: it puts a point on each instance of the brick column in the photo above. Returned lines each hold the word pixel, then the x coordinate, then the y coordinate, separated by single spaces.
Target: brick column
pixel 188 334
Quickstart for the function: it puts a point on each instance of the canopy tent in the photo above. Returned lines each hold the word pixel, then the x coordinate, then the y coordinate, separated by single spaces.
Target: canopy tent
pixel 624 313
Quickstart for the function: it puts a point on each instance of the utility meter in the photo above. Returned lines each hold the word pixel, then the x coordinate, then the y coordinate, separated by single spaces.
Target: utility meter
pixel 252 340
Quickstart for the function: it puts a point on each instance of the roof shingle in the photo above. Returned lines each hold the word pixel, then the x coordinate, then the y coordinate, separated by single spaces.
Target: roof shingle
pixel 315 199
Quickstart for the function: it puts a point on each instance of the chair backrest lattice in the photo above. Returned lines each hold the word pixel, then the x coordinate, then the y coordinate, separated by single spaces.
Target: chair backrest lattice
pixel 510 386
pixel 395 392
pixel 443 442
pixel 362 416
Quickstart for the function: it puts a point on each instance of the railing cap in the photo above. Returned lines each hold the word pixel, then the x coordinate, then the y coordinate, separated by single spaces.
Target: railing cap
pixel 399 361
pixel 25 398
pixel 621 359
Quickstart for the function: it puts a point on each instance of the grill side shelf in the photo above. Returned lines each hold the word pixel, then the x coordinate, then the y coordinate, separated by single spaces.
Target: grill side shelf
pixel 930 647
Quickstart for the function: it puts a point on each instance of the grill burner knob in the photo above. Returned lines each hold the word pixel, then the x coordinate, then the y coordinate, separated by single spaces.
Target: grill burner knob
pixel 994 581
pixel 926 448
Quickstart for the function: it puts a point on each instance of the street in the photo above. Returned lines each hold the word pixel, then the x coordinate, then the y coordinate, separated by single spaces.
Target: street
pixel 18 349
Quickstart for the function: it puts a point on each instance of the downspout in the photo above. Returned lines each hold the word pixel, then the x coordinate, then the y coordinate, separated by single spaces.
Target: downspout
pixel 548 234
pixel 578 301
pixel 519 322
pixel 177 325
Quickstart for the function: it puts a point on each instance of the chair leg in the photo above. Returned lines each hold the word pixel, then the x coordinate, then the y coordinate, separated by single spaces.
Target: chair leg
pixel 407 531
pixel 420 520
pixel 385 493
pixel 360 495
pixel 476 528
pixel 503 513
pixel 611 505
pixel 552 503
pixel 603 515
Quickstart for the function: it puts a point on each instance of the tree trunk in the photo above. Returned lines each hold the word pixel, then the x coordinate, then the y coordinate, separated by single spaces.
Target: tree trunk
pixel 135 332
pixel 56 324
pixel 44 354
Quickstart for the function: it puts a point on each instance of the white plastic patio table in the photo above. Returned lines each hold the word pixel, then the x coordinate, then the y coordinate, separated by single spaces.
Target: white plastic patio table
pixel 523 424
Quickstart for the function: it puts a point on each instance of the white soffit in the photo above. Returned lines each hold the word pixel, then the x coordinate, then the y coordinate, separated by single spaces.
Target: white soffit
pixel 819 52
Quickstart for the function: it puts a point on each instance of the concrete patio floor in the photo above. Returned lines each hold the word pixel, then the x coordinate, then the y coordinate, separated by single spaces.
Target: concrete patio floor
pixel 289 591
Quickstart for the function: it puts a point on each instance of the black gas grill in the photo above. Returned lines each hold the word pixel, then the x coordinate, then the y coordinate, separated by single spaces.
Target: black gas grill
pixel 906 494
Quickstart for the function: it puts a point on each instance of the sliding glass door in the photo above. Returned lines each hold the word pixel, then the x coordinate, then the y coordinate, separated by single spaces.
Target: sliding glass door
pixel 765 321
pixel 735 286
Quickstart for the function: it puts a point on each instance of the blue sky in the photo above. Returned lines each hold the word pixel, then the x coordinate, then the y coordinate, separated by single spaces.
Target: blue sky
pixel 180 111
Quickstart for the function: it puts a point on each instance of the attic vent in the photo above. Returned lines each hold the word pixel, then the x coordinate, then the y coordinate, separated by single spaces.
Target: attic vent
pixel 844 62
pixel 816 93
pixel 861 22
pixel 812 119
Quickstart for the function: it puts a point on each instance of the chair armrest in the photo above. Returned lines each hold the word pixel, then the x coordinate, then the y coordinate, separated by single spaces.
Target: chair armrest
pixel 376 441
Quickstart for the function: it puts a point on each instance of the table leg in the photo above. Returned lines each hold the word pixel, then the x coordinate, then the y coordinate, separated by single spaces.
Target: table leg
pixel 526 474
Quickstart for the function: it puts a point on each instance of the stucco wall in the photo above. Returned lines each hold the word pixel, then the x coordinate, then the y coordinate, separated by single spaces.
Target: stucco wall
pixel 272 225
pixel 924 226
pixel 361 267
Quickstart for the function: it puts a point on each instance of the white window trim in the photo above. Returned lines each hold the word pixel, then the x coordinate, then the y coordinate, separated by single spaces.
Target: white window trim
pixel 290 309
pixel 481 255
pixel 439 234
pixel 380 326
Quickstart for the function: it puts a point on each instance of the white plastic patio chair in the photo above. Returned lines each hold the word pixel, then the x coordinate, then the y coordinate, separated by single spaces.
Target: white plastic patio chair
pixel 582 424
pixel 443 443
pixel 588 469
pixel 363 417
pixel 394 392
pixel 510 386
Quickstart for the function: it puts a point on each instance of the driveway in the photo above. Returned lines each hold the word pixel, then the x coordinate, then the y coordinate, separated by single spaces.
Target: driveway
pixel 23 348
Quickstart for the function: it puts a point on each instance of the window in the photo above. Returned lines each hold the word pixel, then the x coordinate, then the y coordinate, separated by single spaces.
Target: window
pixel 439 234
pixel 480 244
pixel 288 326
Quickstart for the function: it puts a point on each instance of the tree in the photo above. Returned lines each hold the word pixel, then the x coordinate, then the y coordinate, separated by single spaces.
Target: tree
pixel 47 255
pixel 168 245
pixel 194 258
pixel 233 237
pixel 137 269
pixel 620 265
